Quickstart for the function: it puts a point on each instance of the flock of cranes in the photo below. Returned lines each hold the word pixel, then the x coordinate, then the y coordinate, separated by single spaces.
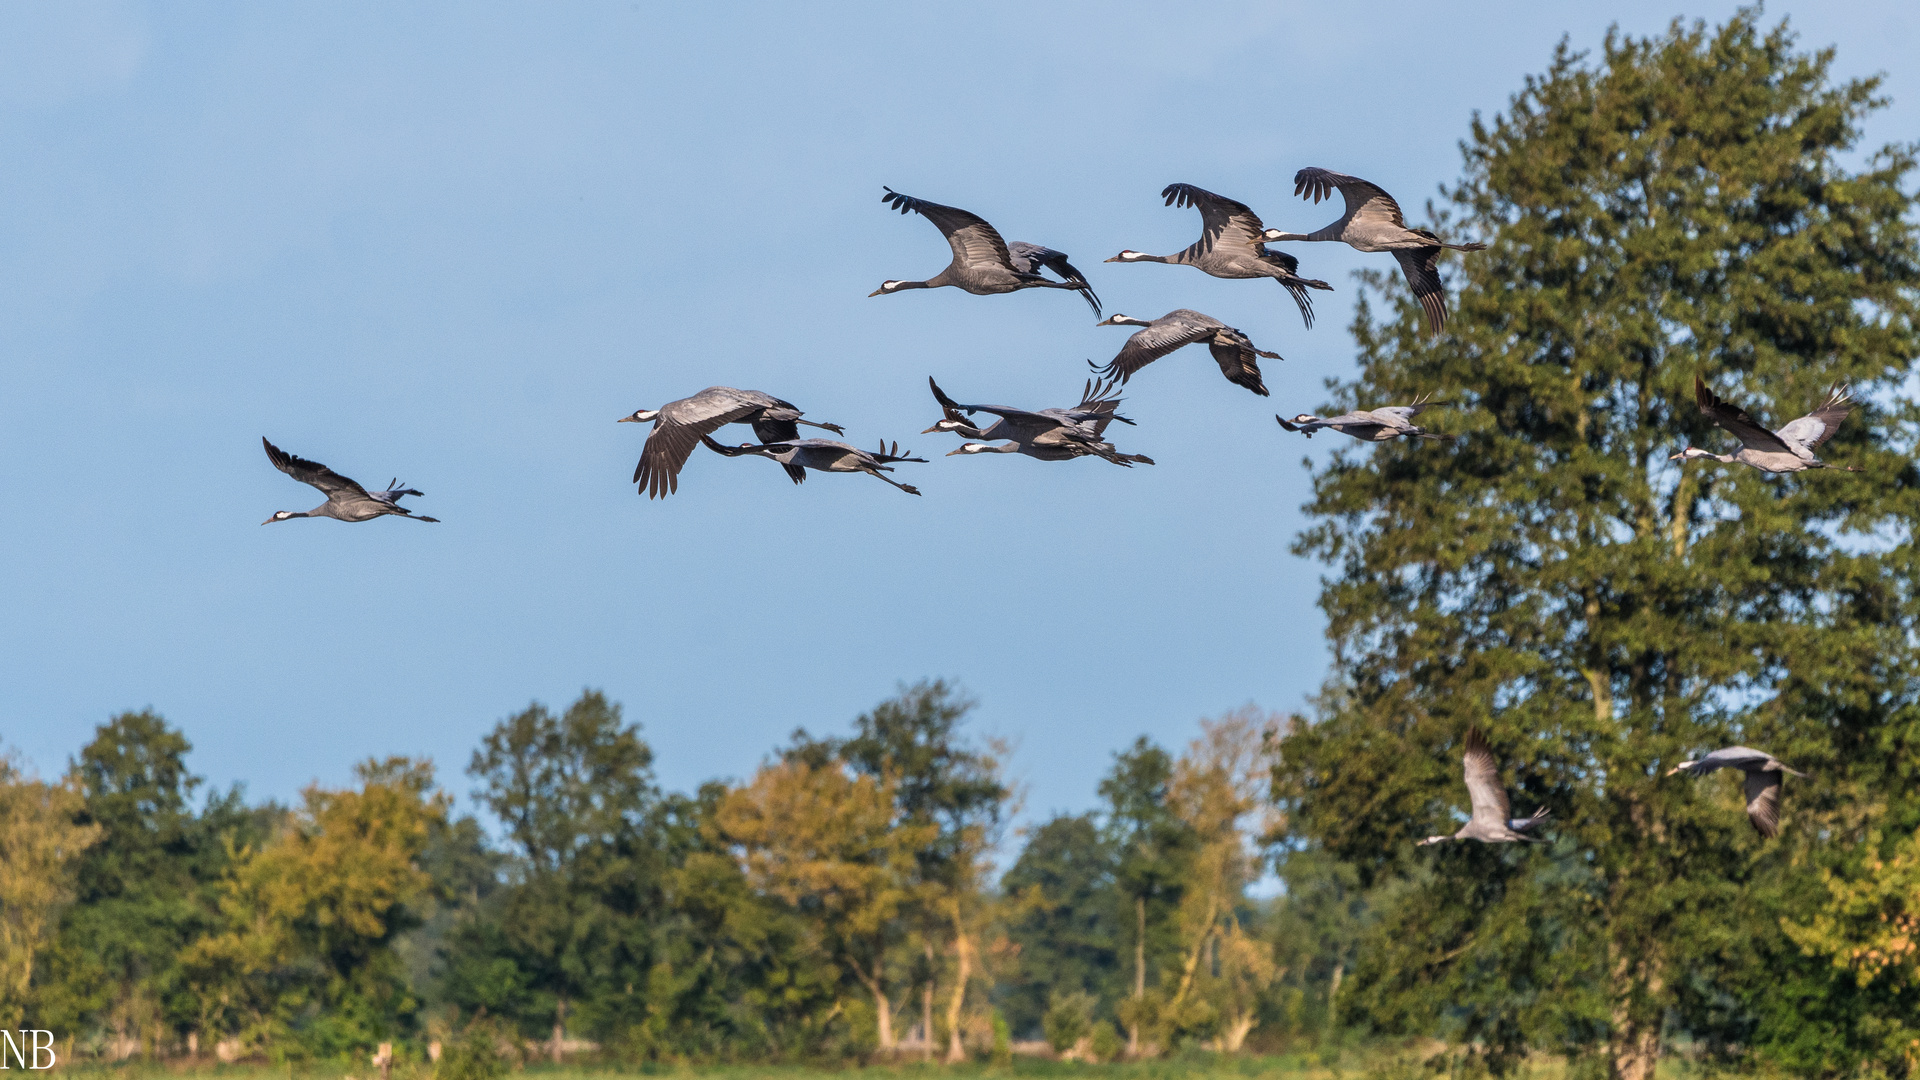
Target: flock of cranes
pixel 1232 244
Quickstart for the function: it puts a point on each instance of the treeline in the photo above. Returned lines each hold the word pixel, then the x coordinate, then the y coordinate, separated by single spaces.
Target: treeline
pixel 839 903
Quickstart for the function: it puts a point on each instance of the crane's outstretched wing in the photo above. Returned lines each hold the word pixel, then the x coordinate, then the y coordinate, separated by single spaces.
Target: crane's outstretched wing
pixel 954 409
pixel 1366 201
pixel 1483 781
pixel 1819 425
pixel 1404 412
pixel 1735 419
pixel 1098 404
pixel 1029 258
pixel 1222 220
pixel 679 428
pixel 887 455
pixel 1291 280
pixel 796 473
pixel 314 473
pixel 1235 355
pixel 1169 332
pixel 974 242
pixel 1422 269
pixel 949 407
pixel 1763 802
pixel 1732 757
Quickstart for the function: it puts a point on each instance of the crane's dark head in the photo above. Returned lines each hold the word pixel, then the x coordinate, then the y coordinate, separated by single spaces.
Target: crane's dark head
pixel 1305 418
pixel 1116 318
pixel 887 287
pixel 1689 453
pixel 1683 767
pixel 1271 235
pixel 282 515
pixel 1127 256
pixel 947 424
pixel 971 448
pixel 639 416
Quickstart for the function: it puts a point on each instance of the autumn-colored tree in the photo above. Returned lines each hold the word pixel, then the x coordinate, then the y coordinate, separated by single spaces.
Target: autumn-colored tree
pixel 832 846
pixel 939 779
pixel 1869 927
pixel 40 845
pixel 306 960
pixel 1219 791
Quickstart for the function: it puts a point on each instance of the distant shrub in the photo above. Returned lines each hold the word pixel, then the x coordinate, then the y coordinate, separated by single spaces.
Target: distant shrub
pixel 1069 1019
pixel 475 1055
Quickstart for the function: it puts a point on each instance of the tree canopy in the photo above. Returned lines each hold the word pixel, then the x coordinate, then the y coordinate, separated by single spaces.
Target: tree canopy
pixel 1689 204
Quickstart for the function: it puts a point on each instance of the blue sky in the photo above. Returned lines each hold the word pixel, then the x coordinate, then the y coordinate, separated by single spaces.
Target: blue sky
pixel 454 242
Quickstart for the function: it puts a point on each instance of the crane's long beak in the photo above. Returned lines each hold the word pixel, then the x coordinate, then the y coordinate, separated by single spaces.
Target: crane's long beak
pixel 962 450
pixel 876 292
pixel 1682 767
pixel 269 521
pixel 931 430
pixel 1109 320
pixel 626 420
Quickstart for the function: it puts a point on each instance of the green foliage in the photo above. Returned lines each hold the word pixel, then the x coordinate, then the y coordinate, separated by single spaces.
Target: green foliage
pixel 476 1054
pixel 1684 204
pixel 1066 919
pixel 1106 1043
pixel 147 890
pixel 576 796
pixel 1002 1052
pixel 304 965
pixel 1069 1019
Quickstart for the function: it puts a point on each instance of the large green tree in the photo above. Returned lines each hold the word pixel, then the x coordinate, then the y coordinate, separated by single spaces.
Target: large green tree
pixel 1064 917
pixel 576 928
pixel 1153 848
pixel 1690 203
pixel 147 889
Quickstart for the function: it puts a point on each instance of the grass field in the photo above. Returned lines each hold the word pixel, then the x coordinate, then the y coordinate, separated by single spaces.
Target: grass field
pixel 1290 1067
pixel 1394 1063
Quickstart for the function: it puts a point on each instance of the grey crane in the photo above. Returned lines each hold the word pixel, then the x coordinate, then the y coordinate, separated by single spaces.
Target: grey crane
pixel 984 264
pixel 1046 434
pixel 678 426
pixel 1376 425
pixel 1232 349
pixel 1373 222
pixel 346 500
pixel 1788 450
pixel 1763 772
pixel 1489 823
pixel 799 455
pixel 1230 246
